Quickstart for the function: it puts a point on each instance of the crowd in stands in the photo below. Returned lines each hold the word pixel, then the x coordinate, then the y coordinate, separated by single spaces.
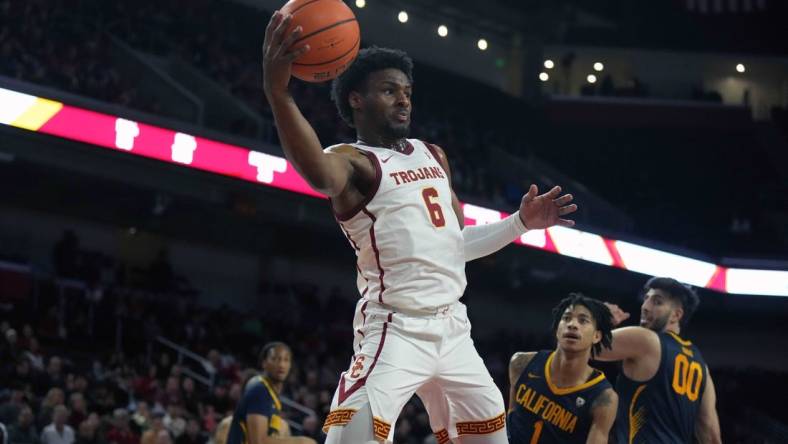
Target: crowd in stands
pixel 82 365
pixel 46 43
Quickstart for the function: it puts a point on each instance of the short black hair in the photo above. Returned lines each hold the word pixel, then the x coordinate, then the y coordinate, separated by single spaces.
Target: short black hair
pixel 603 319
pixel 268 348
pixel 368 61
pixel 681 293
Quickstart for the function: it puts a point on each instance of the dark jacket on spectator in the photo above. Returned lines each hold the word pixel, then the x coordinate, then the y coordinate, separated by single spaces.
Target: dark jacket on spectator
pixel 19 435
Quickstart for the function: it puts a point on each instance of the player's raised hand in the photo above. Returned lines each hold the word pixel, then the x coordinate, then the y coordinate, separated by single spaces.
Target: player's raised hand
pixel 546 210
pixel 618 314
pixel 279 53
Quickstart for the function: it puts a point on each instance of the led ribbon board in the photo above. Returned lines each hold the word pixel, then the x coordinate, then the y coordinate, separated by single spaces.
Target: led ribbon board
pixel 116 133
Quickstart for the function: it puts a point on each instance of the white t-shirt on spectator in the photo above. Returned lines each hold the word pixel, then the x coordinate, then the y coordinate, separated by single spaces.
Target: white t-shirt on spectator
pixel 50 435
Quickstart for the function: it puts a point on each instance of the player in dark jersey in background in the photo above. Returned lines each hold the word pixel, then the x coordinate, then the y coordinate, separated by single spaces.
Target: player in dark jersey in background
pixel 257 418
pixel 555 396
pixel 665 389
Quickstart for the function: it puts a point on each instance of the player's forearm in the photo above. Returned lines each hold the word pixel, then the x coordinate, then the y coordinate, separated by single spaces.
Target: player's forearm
pixel 596 436
pixel 708 431
pixel 708 437
pixel 302 146
pixel 629 343
pixel 481 240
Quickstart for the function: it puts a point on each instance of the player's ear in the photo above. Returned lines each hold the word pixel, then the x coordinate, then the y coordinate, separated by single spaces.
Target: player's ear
pixel 678 313
pixel 597 336
pixel 355 99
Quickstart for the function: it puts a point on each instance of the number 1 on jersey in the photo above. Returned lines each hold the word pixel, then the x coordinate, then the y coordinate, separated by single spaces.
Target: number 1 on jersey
pixel 537 432
pixel 430 196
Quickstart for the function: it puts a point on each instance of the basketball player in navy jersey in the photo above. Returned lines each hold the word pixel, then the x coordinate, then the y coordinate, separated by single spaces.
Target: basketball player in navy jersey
pixel 393 200
pixel 665 389
pixel 257 418
pixel 554 395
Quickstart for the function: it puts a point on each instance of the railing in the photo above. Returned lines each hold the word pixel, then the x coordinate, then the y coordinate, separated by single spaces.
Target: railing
pixel 299 408
pixel 184 353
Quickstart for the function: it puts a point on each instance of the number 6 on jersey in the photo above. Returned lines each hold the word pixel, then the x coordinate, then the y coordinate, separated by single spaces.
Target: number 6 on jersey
pixel 430 196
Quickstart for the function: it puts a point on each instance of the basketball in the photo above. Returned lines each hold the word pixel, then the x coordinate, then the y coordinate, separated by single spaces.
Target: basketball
pixel 332 33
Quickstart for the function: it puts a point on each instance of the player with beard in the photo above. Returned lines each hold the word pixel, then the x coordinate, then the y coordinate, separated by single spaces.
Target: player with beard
pixel 393 200
pixel 555 396
pixel 665 389
pixel 257 418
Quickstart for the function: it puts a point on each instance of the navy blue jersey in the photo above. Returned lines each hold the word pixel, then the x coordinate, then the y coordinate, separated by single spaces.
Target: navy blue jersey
pixel 664 408
pixel 543 413
pixel 259 398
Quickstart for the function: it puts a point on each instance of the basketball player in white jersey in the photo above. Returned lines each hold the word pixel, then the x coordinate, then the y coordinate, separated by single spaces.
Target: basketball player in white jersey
pixel 393 200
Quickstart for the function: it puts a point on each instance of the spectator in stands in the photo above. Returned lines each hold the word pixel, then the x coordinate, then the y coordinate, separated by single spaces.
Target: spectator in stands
pixel 172 392
pixel 11 349
pixel 157 425
pixel 22 373
pixel 34 355
pixel 209 418
pixel 88 433
pixel 121 433
pixel 9 410
pixel 219 400
pixel 79 409
pixel 164 366
pixel 142 416
pixel 174 421
pixel 54 375
pixel 58 432
pixel 54 398
pixel 193 434
pixel 189 398
pixel 24 430
pixel 80 384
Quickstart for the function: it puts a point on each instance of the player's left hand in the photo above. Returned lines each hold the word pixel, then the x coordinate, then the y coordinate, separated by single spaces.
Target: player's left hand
pixel 544 211
pixel 618 315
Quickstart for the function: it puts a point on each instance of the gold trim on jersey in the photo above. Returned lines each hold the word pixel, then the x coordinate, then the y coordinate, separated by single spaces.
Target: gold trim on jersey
pixel 636 419
pixel 679 340
pixel 567 390
pixel 272 392
pixel 242 423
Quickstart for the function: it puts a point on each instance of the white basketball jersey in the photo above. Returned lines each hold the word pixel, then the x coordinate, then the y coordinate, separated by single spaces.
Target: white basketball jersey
pixel 406 235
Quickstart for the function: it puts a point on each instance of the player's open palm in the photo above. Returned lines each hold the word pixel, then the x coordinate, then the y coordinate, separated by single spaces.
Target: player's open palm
pixel 278 52
pixel 618 315
pixel 545 210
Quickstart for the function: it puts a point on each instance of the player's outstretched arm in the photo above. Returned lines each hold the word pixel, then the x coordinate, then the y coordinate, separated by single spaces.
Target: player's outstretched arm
pixel 630 343
pixel 517 364
pixel 603 414
pixel 536 212
pixel 707 425
pixel 327 173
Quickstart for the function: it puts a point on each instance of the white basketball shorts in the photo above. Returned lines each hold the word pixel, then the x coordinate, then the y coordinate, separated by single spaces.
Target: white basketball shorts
pixel 433 356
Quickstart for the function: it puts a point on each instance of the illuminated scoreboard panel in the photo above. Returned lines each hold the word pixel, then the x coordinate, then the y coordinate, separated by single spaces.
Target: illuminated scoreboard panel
pixel 119 134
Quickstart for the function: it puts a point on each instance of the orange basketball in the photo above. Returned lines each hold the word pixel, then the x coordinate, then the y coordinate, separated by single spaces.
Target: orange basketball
pixel 331 31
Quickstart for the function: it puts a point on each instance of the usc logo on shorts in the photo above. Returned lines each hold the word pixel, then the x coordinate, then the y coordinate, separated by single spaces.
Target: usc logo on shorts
pixel 358 365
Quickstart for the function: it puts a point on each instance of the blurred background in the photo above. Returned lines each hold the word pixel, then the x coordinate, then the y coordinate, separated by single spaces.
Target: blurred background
pixel 134 292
